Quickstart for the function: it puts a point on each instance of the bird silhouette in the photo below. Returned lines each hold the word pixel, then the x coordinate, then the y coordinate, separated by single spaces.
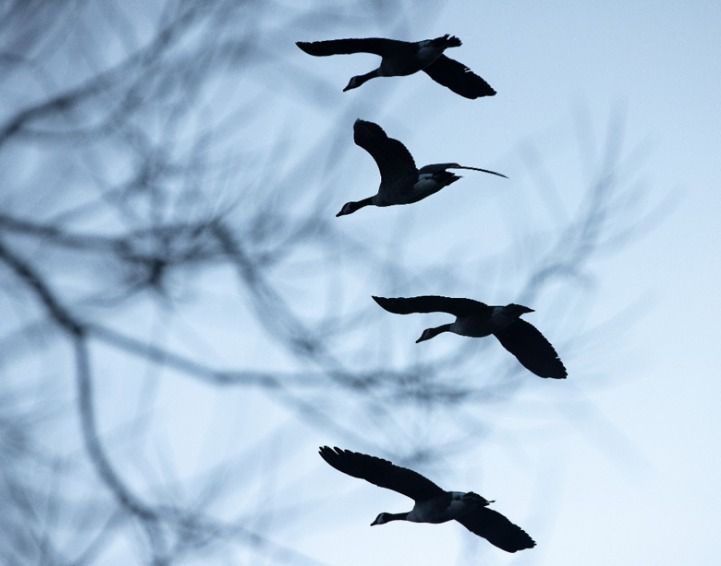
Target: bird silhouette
pixel 477 319
pixel 401 182
pixel 401 58
pixel 432 504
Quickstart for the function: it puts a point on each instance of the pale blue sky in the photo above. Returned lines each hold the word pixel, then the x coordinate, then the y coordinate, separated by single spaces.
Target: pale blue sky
pixel 627 456
pixel 616 465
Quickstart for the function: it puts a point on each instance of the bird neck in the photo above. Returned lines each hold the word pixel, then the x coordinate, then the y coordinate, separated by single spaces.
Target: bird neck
pixel 360 79
pixel 436 330
pixel 397 516
pixel 361 203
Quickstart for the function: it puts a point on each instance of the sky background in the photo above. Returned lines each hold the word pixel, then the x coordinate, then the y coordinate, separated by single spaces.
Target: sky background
pixel 628 474
pixel 617 464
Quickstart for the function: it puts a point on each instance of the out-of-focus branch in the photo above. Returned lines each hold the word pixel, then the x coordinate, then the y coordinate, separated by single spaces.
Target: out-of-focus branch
pixel 151 517
pixel 56 311
pixel 67 101
pixel 161 176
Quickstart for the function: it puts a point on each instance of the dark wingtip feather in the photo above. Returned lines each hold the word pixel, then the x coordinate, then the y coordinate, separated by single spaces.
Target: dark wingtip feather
pixel 482 94
pixel 361 123
pixel 393 305
pixel 315 48
pixel 529 544
pixel 556 368
pixel 329 454
pixel 367 124
pixel 486 90
pixel 562 374
pixel 525 545
pixel 556 371
pixel 365 132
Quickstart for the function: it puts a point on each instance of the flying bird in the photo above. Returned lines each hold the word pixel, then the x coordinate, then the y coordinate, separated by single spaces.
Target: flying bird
pixel 477 319
pixel 400 58
pixel 432 504
pixel 401 181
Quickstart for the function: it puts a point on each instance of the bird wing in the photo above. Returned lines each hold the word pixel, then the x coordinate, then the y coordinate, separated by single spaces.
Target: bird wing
pixel 431 303
pixel 459 78
pixel 436 167
pixel 532 349
pixel 381 473
pixel 496 528
pixel 391 156
pixel 377 45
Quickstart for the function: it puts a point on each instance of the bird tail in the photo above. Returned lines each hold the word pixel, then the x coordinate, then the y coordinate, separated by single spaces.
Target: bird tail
pixel 472 497
pixel 452 41
pixel 445 178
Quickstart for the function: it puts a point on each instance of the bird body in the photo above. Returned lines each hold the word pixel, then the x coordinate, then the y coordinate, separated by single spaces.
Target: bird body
pixel 473 326
pixel 476 320
pixel 401 181
pixel 429 182
pixel 429 50
pixel 439 509
pixel 432 504
pixel 449 506
pixel 401 58
pixel 413 189
pixel 406 58
pixel 486 322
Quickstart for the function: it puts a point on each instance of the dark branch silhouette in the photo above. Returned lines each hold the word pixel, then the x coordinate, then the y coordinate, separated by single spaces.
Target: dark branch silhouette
pixel 172 273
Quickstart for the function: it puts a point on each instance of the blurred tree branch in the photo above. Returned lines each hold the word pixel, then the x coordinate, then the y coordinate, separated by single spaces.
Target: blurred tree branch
pixel 153 175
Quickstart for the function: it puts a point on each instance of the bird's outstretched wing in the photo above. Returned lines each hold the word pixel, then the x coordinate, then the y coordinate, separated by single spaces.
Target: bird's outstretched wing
pixel 436 167
pixel 431 303
pixel 376 45
pixel 497 529
pixel 459 78
pixel 381 473
pixel 392 157
pixel 532 349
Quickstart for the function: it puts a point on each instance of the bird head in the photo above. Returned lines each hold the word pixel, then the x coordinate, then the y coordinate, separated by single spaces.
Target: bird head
pixel 354 82
pixel 381 518
pixel 348 208
pixel 429 333
pixel 515 310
